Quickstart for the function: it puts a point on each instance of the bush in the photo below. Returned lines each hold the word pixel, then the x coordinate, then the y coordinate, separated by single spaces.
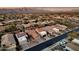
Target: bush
pixel 10 28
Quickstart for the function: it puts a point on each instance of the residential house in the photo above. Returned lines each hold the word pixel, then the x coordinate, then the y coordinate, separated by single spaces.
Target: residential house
pixel 52 30
pixel 8 42
pixel 22 37
pixel 41 32
pixel 20 27
pixel 55 30
pixel 74 45
pixel 61 27
pixel 12 21
pixel 33 35
pixel 48 29
pixel 26 25
pixel 1 24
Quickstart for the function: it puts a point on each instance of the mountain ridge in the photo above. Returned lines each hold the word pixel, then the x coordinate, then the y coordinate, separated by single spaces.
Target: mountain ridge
pixel 14 10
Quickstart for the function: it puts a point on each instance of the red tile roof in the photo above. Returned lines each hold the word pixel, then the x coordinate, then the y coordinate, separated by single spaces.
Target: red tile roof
pixel 32 33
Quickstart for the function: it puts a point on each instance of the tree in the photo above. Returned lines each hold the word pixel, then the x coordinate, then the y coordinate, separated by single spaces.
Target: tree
pixel 1 18
pixel 10 28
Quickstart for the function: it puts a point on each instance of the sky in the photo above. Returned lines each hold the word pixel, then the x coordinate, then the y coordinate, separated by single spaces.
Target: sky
pixel 39 3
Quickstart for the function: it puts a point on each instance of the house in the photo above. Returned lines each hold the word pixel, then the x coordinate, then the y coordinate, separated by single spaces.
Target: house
pixel 55 30
pixel 22 37
pixel 8 42
pixel 51 29
pixel 1 24
pixel 33 35
pixel 48 29
pixel 76 41
pixel 26 25
pixel 61 27
pixel 74 45
pixel 12 21
pixel 41 32
pixel 20 27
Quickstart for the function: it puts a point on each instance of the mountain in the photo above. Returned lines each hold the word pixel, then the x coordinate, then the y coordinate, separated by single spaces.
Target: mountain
pixel 13 10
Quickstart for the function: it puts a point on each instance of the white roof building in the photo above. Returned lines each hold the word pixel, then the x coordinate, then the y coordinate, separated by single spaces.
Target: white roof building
pixel 22 37
pixel 76 41
pixel 56 30
pixel 43 33
pixel 61 27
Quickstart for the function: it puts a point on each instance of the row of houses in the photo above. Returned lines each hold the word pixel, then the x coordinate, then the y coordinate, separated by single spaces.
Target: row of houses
pixel 29 38
pixel 5 23
pixel 12 21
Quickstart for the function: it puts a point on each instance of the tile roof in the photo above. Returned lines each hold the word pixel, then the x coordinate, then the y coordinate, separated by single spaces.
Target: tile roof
pixel 32 33
pixel 49 29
